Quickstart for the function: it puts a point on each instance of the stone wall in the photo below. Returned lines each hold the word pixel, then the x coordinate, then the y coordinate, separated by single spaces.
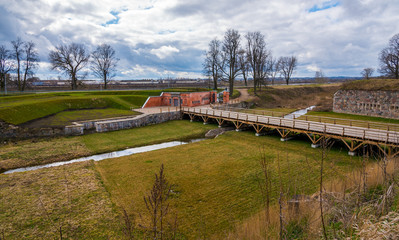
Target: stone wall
pixel 139 121
pixel 372 103
pixel 9 131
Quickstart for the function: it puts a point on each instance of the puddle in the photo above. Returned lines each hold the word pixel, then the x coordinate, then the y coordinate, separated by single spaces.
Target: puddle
pixel 99 157
pixel 298 113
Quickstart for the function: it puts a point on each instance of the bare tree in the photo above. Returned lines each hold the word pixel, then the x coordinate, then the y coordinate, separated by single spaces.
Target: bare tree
pixel 389 58
pixel 29 62
pixel 257 55
pixel 367 72
pixel 213 62
pixel 157 204
pixel 287 67
pixel 103 63
pixel 230 49
pixel 6 65
pixel 274 68
pixel 320 77
pixel 69 59
pixel 244 65
pixel 17 52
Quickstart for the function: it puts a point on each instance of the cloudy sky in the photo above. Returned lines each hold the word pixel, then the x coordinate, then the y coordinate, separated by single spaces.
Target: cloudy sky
pixel 161 38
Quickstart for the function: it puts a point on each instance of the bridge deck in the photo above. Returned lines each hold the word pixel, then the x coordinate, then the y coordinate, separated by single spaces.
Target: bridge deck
pixel 333 130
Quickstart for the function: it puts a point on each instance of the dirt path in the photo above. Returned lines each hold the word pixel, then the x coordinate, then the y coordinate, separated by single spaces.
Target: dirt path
pixel 244 95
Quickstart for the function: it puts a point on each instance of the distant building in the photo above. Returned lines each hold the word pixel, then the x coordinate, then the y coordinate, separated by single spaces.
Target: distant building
pixel 191 99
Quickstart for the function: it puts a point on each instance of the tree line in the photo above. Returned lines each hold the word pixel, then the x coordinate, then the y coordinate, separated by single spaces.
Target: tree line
pixel 69 59
pixel 227 59
pixel 389 61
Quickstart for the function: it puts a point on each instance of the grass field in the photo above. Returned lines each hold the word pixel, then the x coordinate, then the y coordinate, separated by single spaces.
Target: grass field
pixel 68 117
pixel 35 205
pixel 352 120
pixel 20 109
pixel 275 112
pixel 296 96
pixel 216 181
pixel 372 85
pixel 28 153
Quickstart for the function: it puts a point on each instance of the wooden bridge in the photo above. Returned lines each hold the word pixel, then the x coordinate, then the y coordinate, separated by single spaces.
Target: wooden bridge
pixel 352 136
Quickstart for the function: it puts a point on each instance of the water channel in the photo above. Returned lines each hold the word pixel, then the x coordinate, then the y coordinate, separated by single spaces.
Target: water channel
pixel 99 157
pixel 131 151
pixel 298 113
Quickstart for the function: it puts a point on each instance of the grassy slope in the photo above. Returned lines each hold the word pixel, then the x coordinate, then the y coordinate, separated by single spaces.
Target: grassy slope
pixel 67 117
pixel 296 96
pixel 375 120
pixel 23 108
pixel 373 85
pixel 216 181
pixel 21 112
pixel 35 204
pixel 28 153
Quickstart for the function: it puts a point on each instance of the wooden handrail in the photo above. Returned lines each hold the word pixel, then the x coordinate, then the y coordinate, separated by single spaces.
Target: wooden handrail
pixel 380 135
pixel 350 122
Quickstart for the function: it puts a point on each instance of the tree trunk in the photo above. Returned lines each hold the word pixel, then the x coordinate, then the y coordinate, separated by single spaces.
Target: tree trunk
pixel 231 86
pixel 19 75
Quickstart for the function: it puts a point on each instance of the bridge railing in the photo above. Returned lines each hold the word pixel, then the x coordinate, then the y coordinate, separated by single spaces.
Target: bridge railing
pixel 379 135
pixel 340 121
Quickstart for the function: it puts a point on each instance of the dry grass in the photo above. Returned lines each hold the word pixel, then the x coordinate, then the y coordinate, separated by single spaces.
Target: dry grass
pixel 34 205
pixel 367 226
pixel 297 97
pixel 373 85
pixel 216 181
pixel 42 151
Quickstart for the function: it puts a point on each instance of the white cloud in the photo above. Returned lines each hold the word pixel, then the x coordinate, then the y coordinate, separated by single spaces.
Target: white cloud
pixel 164 51
pixel 170 36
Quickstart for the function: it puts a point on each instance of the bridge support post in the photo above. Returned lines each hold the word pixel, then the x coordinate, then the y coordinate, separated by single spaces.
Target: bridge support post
pixel 350 153
pixel 192 116
pixel 258 128
pixel 220 122
pixel 284 134
pixel 205 119
pixel 238 125
pixel 315 140
pixel 353 146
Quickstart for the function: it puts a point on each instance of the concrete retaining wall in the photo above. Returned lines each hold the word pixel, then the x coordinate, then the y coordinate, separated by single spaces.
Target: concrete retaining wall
pixel 74 129
pixel 9 131
pixel 372 103
pixel 139 121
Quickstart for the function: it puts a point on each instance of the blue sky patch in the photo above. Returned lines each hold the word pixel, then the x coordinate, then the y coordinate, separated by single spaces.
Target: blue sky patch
pixel 113 21
pixel 324 6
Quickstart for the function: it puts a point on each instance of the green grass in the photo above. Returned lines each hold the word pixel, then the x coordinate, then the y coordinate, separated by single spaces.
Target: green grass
pixel 20 109
pixel 372 85
pixel 354 117
pixel 28 153
pixel 217 180
pixel 236 94
pixel 34 205
pixel 68 117
pixel 28 111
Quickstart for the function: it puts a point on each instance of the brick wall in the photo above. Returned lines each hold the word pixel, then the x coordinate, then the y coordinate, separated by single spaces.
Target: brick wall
pixel 372 103
pixel 187 99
